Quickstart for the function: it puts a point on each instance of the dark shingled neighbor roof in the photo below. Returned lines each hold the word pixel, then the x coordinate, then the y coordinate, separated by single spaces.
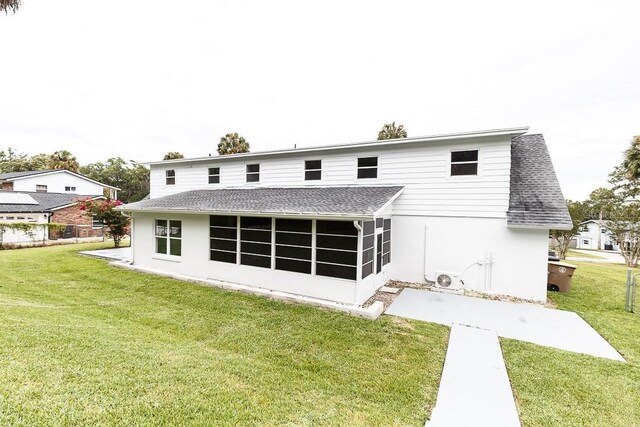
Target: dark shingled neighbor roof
pixel 535 198
pixel 356 201
pixel 46 202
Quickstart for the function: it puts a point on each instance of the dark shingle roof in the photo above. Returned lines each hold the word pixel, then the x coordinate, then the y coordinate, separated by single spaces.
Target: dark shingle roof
pixel 535 198
pixel 356 201
pixel 11 175
pixel 46 202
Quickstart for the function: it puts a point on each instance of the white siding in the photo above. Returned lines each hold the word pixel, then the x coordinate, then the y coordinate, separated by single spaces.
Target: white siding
pixel 423 169
pixel 56 183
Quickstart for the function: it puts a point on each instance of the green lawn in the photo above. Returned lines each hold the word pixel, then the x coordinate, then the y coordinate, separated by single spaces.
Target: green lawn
pixel 83 343
pixel 557 388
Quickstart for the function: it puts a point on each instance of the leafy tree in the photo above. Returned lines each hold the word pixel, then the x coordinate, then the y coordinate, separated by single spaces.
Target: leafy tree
pixel 173 155
pixel 624 224
pixel 579 211
pixel 63 159
pixel 9 5
pixel 132 178
pixel 104 210
pixel 625 178
pixel 391 131
pixel 232 143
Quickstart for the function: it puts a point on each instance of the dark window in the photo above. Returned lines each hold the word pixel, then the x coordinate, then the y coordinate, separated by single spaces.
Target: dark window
pixel 367 167
pixel 69 188
pixel 464 162
pixel 312 170
pixel 253 173
pixel 368 235
pixel 293 245
pixel 214 175
pixel 255 241
pixel 379 222
pixel 336 249
pixel 224 238
pixel 170 177
pixel 41 188
pixel 386 242
pixel 379 253
pixel 168 237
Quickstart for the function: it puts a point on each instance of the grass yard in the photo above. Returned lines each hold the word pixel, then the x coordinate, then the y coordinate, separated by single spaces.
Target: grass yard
pixel 557 388
pixel 83 343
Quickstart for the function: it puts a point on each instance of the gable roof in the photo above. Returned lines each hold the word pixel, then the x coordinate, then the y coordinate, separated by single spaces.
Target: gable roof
pixel 46 202
pixel 13 176
pixel 309 201
pixel 508 132
pixel 535 198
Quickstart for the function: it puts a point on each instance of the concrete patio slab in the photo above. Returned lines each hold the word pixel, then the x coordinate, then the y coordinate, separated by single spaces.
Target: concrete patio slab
pixel 119 254
pixel 552 328
pixel 474 389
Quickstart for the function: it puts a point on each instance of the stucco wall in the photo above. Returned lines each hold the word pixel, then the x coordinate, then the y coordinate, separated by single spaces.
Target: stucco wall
pixel 456 245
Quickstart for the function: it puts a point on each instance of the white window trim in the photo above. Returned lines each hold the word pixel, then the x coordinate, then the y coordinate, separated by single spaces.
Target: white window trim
pixel 209 175
pixel 377 167
pixel 167 256
pixel 247 173
pixel 465 177
pixel 166 177
pixel 305 170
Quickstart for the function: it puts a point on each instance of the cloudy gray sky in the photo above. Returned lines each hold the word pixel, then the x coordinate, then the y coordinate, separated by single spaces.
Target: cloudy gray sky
pixel 138 78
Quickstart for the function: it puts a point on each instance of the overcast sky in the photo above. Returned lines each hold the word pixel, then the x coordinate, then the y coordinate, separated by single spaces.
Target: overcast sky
pixel 138 78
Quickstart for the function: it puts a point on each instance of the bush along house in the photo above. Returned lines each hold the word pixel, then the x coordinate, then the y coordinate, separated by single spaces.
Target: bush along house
pixel 334 223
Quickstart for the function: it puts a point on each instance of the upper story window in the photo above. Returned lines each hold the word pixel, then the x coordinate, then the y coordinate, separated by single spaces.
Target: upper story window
pixel 464 162
pixel 214 175
pixel 170 177
pixel 312 170
pixel 367 167
pixel 41 188
pixel 253 172
pixel 69 188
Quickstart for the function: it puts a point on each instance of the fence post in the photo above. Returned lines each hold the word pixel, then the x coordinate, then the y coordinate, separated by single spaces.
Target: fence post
pixel 628 289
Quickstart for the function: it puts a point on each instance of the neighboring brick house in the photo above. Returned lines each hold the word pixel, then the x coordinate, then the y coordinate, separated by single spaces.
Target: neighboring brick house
pixel 42 208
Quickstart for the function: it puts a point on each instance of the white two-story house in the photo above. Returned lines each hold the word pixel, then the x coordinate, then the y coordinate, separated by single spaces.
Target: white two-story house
pixel 334 223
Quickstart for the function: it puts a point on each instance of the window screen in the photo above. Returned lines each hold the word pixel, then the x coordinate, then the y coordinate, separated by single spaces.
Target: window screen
pixel 464 162
pixel 312 170
pixel 336 249
pixel 368 231
pixel 293 245
pixel 223 233
pixel 386 242
pixel 255 241
pixel 367 167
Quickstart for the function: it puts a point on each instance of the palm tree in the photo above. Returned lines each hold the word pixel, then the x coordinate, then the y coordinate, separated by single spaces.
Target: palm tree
pixel 9 5
pixel 232 143
pixel 173 155
pixel 63 159
pixel 391 131
pixel 631 163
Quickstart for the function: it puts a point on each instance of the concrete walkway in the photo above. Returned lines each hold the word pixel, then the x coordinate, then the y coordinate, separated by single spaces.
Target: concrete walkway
pixel 607 257
pixel 119 254
pixel 552 328
pixel 474 389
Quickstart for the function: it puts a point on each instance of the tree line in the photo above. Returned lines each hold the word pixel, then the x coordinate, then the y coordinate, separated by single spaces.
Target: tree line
pixel 616 208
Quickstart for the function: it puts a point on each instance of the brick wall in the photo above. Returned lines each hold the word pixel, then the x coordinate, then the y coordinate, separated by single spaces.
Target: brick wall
pixel 7 186
pixel 72 215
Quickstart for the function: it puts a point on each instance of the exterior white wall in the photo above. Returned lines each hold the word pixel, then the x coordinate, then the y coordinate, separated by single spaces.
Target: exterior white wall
pixel 455 246
pixel 422 168
pixel 588 239
pixel 195 263
pixel 56 183
pixel 16 236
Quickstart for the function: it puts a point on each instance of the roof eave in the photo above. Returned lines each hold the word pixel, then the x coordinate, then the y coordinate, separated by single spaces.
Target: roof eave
pixel 346 215
pixel 537 226
pixel 515 131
